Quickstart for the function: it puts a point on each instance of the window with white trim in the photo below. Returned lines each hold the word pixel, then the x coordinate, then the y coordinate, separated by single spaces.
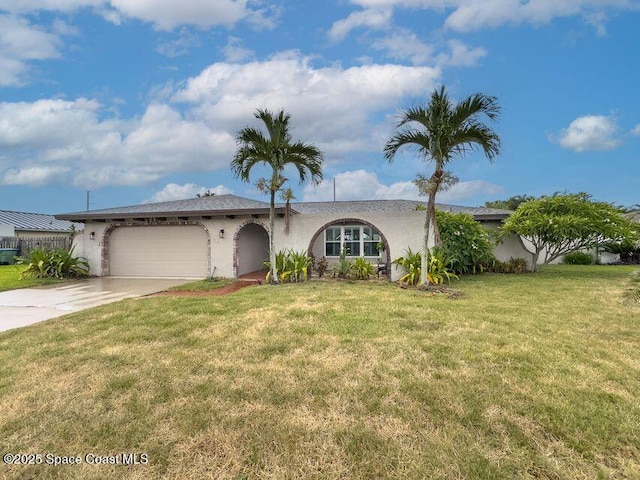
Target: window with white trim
pixel 357 240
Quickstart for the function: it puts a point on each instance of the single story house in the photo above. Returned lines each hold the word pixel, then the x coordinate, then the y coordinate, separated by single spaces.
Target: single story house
pixel 226 235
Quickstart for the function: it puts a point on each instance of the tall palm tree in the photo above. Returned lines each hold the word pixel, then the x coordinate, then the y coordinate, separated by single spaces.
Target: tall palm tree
pixel 276 150
pixel 442 131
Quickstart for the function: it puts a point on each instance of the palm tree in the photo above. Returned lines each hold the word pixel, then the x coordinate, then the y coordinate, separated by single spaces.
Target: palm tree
pixel 275 150
pixel 442 131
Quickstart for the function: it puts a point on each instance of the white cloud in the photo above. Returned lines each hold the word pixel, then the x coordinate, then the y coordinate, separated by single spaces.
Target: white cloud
pixel 234 51
pixel 636 131
pixel 405 45
pixel 470 15
pixel 330 106
pixel 163 14
pixel 460 55
pixel 364 185
pixel 173 191
pixel 181 45
pixel 339 110
pixel 33 176
pixel 374 18
pixel 590 133
pixel 21 43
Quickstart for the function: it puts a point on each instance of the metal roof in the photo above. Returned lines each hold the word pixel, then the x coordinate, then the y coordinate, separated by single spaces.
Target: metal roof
pixel 36 222
pixel 234 205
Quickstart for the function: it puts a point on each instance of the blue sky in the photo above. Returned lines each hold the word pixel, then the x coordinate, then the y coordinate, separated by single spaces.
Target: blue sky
pixel 139 100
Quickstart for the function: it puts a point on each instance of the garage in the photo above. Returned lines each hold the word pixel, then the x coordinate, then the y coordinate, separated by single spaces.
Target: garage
pixel 159 251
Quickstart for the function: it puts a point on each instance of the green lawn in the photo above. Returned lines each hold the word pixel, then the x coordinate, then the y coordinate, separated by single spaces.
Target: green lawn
pixel 10 279
pixel 523 376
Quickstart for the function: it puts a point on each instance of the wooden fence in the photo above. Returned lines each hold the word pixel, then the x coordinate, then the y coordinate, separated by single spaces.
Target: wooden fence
pixel 26 244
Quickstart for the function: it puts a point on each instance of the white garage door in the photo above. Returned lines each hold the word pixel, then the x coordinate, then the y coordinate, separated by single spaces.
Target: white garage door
pixel 159 251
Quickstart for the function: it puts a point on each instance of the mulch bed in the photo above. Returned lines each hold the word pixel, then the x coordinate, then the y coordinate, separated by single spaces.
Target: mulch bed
pixel 227 289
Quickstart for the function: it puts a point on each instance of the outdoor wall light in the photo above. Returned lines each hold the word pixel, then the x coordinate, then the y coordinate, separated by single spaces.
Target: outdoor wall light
pixel 92 236
pixel 221 233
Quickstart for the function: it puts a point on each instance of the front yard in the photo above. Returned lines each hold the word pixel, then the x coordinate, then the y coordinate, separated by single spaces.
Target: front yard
pixel 10 279
pixel 523 376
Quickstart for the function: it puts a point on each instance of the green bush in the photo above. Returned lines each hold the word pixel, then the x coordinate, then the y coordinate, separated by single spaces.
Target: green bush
pixel 343 268
pixel 578 258
pixel 292 266
pixel 465 243
pixel 41 263
pixel 513 265
pixel 362 268
pixel 412 263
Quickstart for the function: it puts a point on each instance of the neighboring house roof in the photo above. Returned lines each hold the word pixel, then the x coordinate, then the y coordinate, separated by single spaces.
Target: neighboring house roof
pixel 36 222
pixel 233 205
pixel 633 216
pixel 479 213
pixel 215 205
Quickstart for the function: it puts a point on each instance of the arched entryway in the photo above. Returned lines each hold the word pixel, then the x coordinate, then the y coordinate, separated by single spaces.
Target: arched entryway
pixel 251 248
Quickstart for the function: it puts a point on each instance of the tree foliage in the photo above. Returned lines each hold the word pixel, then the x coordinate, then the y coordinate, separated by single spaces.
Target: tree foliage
pixel 511 203
pixel 440 132
pixel 277 151
pixel 465 243
pixel 558 224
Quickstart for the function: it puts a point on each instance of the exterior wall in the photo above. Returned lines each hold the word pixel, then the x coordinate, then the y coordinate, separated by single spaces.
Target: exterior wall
pixel 400 231
pixel 7 231
pixel 511 247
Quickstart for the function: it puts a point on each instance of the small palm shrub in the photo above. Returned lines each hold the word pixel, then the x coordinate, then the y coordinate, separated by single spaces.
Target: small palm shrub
pixel 292 266
pixel 464 242
pixel 513 265
pixel 412 262
pixel 362 268
pixel 578 258
pixel 344 267
pixel 41 263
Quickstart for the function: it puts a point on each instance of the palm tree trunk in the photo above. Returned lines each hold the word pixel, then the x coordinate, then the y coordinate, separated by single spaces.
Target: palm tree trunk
pixel 272 250
pixel 430 222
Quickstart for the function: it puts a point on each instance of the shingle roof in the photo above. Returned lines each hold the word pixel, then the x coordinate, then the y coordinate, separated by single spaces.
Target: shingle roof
pixel 214 205
pixel 234 205
pixel 394 206
pixel 36 222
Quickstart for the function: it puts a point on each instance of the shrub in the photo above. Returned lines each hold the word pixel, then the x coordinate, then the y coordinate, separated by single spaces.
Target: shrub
pixel 578 258
pixel 362 268
pixel 513 265
pixel 465 243
pixel 343 268
pixel 322 266
pixel 60 263
pixel 292 266
pixel 412 263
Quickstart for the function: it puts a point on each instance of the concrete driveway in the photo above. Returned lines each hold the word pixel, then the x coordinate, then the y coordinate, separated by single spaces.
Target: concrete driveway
pixel 19 308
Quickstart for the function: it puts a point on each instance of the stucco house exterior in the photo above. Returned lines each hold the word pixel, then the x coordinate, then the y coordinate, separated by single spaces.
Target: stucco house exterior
pixel 226 235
